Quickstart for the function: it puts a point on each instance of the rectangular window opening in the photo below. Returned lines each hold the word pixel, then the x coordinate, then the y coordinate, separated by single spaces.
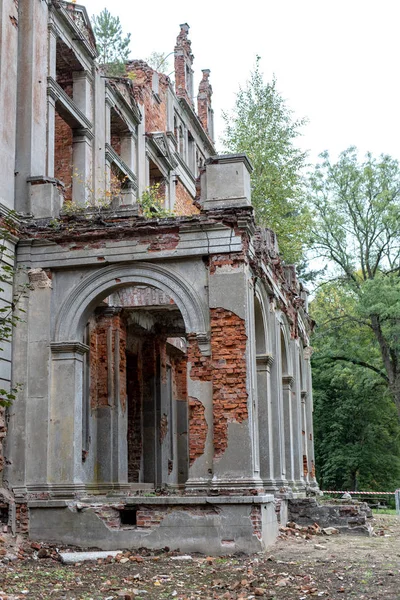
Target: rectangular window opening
pixel 128 517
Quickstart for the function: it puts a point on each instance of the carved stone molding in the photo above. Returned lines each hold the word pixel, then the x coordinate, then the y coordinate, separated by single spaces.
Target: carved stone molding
pixel 68 347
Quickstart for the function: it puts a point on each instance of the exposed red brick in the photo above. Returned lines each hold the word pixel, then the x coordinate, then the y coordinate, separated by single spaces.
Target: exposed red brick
pixel 234 259
pixel 165 241
pixel 204 102
pixel 63 163
pixel 200 366
pixel 256 521
pixel 226 369
pixel 99 375
pixel 179 378
pixel 184 202
pixel 155 107
pixel 305 465
pixel 198 429
pixel 228 349
pixel 163 427
pixel 22 518
pixel 116 144
pixel 183 64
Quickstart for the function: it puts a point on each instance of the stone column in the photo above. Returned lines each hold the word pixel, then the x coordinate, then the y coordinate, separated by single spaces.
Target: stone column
pixel 32 98
pixel 38 376
pixel 297 422
pixel 83 185
pixel 278 432
pixel 128 155
pixel 108 382
pixel 231 302
pixel 8 95
pixel 287 382
pixel 264 362
pixel 304 466
pixel 309 418
pixel 65 424
pixel 51 100
pixel 200 408
pixel 107 178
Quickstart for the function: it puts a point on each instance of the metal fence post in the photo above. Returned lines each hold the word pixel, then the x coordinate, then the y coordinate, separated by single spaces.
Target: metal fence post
pixel 397 497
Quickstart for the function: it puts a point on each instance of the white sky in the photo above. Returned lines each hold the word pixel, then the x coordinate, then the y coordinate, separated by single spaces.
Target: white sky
pixel 336 63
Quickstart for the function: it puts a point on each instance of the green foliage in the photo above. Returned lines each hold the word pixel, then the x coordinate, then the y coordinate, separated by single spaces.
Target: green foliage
pixel 262 126
pixel 356 432
pixel 151 203
pixel 357 230
pixel 159 61
pixel 10 312
pixel 112 45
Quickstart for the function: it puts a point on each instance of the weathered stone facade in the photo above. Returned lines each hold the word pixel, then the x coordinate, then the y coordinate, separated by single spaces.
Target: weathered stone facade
pixel 164 364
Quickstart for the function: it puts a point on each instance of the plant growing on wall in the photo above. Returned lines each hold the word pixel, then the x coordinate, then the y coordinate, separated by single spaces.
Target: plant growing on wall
pixel 113 46
pixel 10 311
pixel 151 203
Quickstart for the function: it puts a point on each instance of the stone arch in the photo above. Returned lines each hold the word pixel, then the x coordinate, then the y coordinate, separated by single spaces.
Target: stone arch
pixel 261 321
pixel 286 355
pixel 82 300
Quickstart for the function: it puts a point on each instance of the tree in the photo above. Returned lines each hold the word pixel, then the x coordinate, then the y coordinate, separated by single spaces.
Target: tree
pixel 159 61
pixel 357 229
pixel 262 126
pixel 356 431
pixel 112 45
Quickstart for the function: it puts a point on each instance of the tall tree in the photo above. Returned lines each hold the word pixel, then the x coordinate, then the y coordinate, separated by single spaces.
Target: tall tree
pixel 357 434
pixel 357 229
pixel 262 126
pixel 111 43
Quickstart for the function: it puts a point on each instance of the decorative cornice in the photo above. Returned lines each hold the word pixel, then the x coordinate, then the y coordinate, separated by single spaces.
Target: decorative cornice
pixel 287 380
pixel 264 360
pixel 68 347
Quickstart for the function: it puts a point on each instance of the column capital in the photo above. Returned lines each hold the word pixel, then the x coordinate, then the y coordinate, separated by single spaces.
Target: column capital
pixel 264 362
pixel 87 75
pixel 70 347
pixel 287 380
pixel 83 135
pixel 308 352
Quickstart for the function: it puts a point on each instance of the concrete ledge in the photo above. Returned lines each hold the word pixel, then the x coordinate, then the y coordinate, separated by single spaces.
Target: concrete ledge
pixel 211 525
pixel 152 500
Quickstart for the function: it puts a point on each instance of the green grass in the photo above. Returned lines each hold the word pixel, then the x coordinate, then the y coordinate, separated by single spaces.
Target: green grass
pixel 384 511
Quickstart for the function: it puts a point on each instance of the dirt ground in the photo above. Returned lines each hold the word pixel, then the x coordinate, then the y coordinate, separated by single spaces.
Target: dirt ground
pixel 337 566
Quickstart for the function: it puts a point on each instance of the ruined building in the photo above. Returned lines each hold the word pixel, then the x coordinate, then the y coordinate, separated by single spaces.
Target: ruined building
pixel 163 363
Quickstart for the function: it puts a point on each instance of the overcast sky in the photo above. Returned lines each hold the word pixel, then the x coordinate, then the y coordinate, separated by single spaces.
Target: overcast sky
pixel 336 63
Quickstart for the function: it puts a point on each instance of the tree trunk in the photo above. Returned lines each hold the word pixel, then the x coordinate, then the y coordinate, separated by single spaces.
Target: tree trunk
pixel 390 361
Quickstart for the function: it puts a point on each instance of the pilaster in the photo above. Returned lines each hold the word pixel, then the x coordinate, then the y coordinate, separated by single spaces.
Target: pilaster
pixel 264 364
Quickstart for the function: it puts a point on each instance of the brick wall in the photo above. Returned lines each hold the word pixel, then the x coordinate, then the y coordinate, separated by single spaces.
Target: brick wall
pixel 99 362
pixel 227 370
pixel 204 101
pixel 155 109
pixel 63 161
pixel 228 348
pixel 183 63
pixel 198 429
pixel 184 202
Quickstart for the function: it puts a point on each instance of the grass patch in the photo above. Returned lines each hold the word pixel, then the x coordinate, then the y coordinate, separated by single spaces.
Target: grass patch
pixel 384 511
